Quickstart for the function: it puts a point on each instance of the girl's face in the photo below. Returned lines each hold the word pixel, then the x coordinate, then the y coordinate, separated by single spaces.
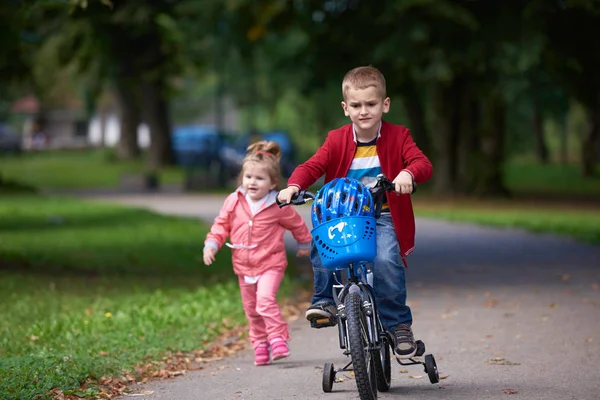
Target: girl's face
pixel 256 180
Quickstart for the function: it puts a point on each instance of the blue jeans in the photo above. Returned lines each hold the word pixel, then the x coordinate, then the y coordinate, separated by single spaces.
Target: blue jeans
pixel 389 281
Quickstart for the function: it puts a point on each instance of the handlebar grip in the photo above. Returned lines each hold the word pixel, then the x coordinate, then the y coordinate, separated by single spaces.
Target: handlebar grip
pixel 280 204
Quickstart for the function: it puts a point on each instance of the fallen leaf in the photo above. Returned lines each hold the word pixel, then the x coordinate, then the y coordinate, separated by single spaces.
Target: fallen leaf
pixel 595 286
pixel 144 393
pixel 404 371
pixel 489 336
pixel 510 391
pixel 501 361
pixel 415 376
pixel 552 305
pixel 589 340
pixel 491 303
pixel 444 376
pixel 565 277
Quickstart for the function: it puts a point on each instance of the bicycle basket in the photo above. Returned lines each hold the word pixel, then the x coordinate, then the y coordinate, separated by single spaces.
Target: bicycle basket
pixel 346 240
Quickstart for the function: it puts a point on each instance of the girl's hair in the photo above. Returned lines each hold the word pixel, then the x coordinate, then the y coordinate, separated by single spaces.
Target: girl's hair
pixel 267 154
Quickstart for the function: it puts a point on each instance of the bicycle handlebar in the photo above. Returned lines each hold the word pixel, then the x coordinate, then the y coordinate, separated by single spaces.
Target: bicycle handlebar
pixel 299 198
pixel 378 192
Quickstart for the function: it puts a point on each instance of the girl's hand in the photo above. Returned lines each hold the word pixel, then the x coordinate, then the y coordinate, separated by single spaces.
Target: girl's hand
pixel 209 255
pixel 403 183
pixel 303 253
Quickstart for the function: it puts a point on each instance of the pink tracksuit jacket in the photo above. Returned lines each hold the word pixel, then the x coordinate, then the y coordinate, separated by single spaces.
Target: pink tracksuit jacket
pixel 258 237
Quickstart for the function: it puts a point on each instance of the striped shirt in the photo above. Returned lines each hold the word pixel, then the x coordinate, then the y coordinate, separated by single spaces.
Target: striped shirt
pixel 365 166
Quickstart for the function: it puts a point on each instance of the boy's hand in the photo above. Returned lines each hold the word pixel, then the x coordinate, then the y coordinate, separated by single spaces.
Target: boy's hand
pixel 209 255
pixel 303 253
pixel 403 183
pixel 285 196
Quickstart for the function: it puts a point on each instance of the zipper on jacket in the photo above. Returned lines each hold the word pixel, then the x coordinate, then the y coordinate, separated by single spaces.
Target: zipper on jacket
pixel 249 236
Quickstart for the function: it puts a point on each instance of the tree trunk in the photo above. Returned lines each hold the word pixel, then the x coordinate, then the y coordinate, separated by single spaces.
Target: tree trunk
pixel 129 119
pixel 156 114
pixel 468 141
pixel 446 142
pixel 489 173
pixel 102 117
pixel 564 141
pixel 589 157
pixel 416 116
pixel 541 150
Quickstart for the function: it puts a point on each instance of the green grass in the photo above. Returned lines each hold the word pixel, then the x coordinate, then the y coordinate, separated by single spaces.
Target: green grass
pixel 525 177
pixel 577 221
pixel 75 169
pixel 90 290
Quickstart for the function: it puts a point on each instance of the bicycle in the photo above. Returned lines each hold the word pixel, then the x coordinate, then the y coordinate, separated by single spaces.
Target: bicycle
pixel 350 243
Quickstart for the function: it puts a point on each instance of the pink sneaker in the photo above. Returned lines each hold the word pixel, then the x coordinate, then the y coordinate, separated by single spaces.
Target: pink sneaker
pixel 279 349
pixel 261 354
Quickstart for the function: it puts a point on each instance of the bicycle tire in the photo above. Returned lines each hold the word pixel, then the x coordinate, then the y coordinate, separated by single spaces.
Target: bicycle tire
pixel 383 366
pixel 362 360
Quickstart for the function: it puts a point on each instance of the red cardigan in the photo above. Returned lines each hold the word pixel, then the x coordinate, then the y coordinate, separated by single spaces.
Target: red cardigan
pixel 396 150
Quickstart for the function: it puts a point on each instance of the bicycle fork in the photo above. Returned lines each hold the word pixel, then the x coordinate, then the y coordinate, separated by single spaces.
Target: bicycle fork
pixel 372 330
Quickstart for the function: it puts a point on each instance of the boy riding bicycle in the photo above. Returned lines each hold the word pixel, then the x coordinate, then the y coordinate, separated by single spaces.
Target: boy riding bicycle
pixel 362 150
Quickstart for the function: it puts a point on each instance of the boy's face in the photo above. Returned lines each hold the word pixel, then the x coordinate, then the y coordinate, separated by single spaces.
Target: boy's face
pixel 365 107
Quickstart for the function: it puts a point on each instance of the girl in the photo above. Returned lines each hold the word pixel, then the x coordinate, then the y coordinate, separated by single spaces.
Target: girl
pixel 255 225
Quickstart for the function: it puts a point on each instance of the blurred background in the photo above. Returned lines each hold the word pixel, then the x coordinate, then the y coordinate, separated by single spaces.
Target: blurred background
pixel 504 97
pixel 109 104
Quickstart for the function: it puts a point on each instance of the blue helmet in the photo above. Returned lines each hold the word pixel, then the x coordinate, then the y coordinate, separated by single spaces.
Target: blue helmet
pixel 342 197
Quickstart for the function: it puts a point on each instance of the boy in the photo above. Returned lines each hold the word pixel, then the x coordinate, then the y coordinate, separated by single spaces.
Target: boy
pixel 361 150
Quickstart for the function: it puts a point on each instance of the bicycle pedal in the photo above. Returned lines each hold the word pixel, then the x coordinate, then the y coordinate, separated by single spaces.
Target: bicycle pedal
pixel 420 348
pixel 322 322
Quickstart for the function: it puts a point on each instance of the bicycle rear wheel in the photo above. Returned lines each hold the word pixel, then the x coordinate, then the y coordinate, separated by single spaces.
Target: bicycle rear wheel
pixel 383 366
pixel 363 363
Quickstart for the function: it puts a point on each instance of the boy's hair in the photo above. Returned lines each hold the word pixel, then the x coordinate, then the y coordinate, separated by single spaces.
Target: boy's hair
pixel 362 78
pixel 267 153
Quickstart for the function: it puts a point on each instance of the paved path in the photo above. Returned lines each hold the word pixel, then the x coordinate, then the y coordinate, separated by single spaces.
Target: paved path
pixel 507 314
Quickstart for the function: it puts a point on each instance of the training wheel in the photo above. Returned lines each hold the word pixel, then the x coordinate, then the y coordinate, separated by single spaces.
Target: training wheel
pixel 328 377
pixel 431 369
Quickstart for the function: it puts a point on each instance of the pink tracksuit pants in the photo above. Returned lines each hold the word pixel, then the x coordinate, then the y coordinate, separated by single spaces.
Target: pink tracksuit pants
pixel 262 310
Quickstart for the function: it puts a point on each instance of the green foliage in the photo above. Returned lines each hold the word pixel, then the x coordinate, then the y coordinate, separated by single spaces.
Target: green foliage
pixel 282 61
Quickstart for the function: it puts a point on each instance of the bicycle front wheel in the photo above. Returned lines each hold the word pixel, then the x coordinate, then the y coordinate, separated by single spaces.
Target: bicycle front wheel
pixel 358 338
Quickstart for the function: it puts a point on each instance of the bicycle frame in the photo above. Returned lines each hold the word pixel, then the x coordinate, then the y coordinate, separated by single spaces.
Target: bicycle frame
pixel 361 324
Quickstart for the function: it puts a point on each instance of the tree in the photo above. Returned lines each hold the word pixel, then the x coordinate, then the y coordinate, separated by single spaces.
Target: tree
pixel 573 60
